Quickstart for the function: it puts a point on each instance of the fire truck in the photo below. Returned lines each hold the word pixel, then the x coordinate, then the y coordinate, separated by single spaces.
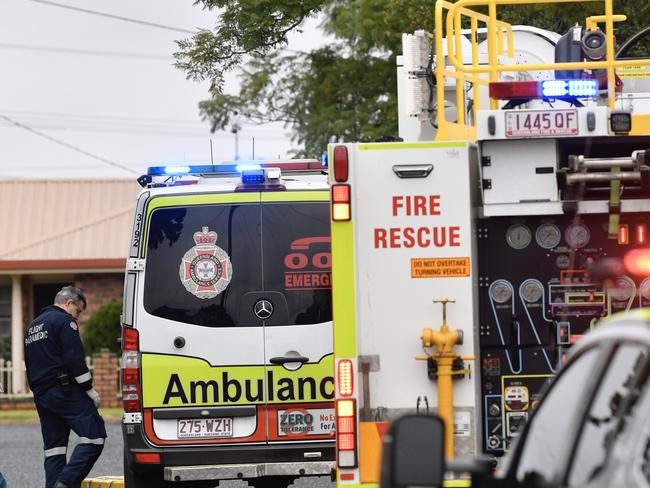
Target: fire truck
pixel 461 254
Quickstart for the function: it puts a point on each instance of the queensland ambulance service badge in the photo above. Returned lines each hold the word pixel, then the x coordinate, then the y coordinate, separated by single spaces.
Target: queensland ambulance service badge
pixel 205 269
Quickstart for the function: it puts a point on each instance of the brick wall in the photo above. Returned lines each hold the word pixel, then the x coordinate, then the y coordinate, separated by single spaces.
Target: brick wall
pixel 100 288
pixel 105 378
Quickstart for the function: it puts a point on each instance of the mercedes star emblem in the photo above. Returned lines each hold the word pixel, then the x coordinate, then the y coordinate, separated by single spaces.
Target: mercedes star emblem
pixel 263 309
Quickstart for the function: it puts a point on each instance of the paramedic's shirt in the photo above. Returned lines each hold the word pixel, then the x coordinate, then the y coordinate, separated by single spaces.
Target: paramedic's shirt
pixel 53 346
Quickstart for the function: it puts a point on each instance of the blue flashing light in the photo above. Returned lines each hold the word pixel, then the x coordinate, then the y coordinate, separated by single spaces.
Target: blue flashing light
pixel 194 170
pixel 240 168
pixel 176 170
pixel 569 88
pixel 253 176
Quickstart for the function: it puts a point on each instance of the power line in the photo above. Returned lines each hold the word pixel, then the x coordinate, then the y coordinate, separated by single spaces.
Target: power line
pixel 84 52
pixel 69 146
pixel 59 120
pixel 115 17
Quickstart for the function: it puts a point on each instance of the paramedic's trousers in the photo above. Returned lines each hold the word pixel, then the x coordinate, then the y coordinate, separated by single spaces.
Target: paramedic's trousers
pixel 61 412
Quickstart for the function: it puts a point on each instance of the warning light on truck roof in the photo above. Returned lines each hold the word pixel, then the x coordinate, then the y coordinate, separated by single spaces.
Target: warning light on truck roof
pixel 529 89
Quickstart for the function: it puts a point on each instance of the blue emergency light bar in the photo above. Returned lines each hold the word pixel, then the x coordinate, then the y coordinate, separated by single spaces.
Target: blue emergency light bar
pixel 239 168
pixel 533 89
pixel 569 88
pixel 194 170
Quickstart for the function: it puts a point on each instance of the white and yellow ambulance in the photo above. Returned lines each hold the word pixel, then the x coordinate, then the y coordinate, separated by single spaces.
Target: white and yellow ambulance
pixel 227 326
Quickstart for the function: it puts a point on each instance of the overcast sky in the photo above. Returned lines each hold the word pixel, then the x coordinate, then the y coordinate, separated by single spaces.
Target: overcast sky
pixel 123 102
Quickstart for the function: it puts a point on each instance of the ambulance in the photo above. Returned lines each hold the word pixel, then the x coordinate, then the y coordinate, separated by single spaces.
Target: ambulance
pixel 227 356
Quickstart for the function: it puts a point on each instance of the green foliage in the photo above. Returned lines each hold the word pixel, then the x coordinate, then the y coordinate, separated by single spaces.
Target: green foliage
pixel 346 90
pixel 103 329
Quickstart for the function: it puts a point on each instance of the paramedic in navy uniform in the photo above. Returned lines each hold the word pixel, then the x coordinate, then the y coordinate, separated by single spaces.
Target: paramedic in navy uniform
pixel 63 390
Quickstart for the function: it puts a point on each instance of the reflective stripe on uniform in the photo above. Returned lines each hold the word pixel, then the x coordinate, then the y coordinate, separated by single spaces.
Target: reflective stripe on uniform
pixel 82 378
pixel 84 440
pixel 55 451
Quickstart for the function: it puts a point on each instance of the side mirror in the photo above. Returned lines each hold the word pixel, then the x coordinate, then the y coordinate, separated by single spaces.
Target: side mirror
pixel 414 453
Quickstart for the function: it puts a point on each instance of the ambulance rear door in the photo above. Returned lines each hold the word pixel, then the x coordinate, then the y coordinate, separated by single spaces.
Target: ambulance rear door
pixel 296 259
pixel 202 347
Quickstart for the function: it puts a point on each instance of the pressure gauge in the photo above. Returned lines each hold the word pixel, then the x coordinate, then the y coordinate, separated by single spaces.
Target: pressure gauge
pixel 645 288
pixel 531 290
pixel 548 236
pixel 519 236
pixel 577 235
pixel 623 291
pixel 500 291
pixel 562 261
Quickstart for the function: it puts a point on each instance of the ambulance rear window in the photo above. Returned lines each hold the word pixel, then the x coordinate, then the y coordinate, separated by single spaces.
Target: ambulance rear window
pixel 200 262
pixel 296 254
pixel 210 265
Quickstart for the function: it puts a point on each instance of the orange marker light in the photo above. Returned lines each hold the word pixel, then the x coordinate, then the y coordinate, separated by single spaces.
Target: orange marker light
pixel 340 203
pixel 623 234
pixel 641 235
pixel 346 379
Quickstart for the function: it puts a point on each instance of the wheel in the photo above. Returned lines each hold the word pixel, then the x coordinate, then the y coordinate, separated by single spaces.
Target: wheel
pixel 272 481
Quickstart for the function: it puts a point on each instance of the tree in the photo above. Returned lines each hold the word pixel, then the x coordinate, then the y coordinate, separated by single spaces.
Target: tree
pixel 347 89
pixel 103 329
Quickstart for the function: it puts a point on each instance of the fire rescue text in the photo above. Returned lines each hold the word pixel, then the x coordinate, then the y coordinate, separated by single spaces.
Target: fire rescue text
pixel 416 236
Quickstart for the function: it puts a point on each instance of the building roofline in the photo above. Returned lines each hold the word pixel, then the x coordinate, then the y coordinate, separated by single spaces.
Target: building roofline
pixel 111 265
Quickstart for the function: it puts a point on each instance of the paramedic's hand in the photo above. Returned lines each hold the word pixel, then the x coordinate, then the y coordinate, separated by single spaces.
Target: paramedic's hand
pixel 94 396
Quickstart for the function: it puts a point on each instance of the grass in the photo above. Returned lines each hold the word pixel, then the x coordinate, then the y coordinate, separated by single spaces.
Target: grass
pixel 26 416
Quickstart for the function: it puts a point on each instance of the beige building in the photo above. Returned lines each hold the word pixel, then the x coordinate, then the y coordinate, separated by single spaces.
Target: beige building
pixel 56 233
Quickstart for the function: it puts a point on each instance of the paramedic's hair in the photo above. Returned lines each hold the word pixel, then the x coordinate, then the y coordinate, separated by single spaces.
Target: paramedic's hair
pixel 70 293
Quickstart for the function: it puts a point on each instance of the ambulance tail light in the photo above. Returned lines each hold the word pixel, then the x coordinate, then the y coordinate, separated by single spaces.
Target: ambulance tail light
pixel 341 211
pixel 130 339
pixel 345 378
pixel 346 433
pixel 341 164
pixel 130 370
pixel 147 457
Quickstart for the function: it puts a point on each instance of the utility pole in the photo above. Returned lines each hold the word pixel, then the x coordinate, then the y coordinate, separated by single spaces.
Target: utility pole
pixel 236 127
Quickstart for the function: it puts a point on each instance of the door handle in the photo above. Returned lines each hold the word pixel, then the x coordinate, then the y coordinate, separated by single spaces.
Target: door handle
pixel 285 359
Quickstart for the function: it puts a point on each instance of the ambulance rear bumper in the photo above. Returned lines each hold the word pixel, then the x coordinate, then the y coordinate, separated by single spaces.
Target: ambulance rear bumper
pixel 228 461
pixel 247 471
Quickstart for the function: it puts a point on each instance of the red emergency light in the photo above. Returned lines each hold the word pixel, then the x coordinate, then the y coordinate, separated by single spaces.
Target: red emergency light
pixel 623 234
pixel 637 261
pixel 341 164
